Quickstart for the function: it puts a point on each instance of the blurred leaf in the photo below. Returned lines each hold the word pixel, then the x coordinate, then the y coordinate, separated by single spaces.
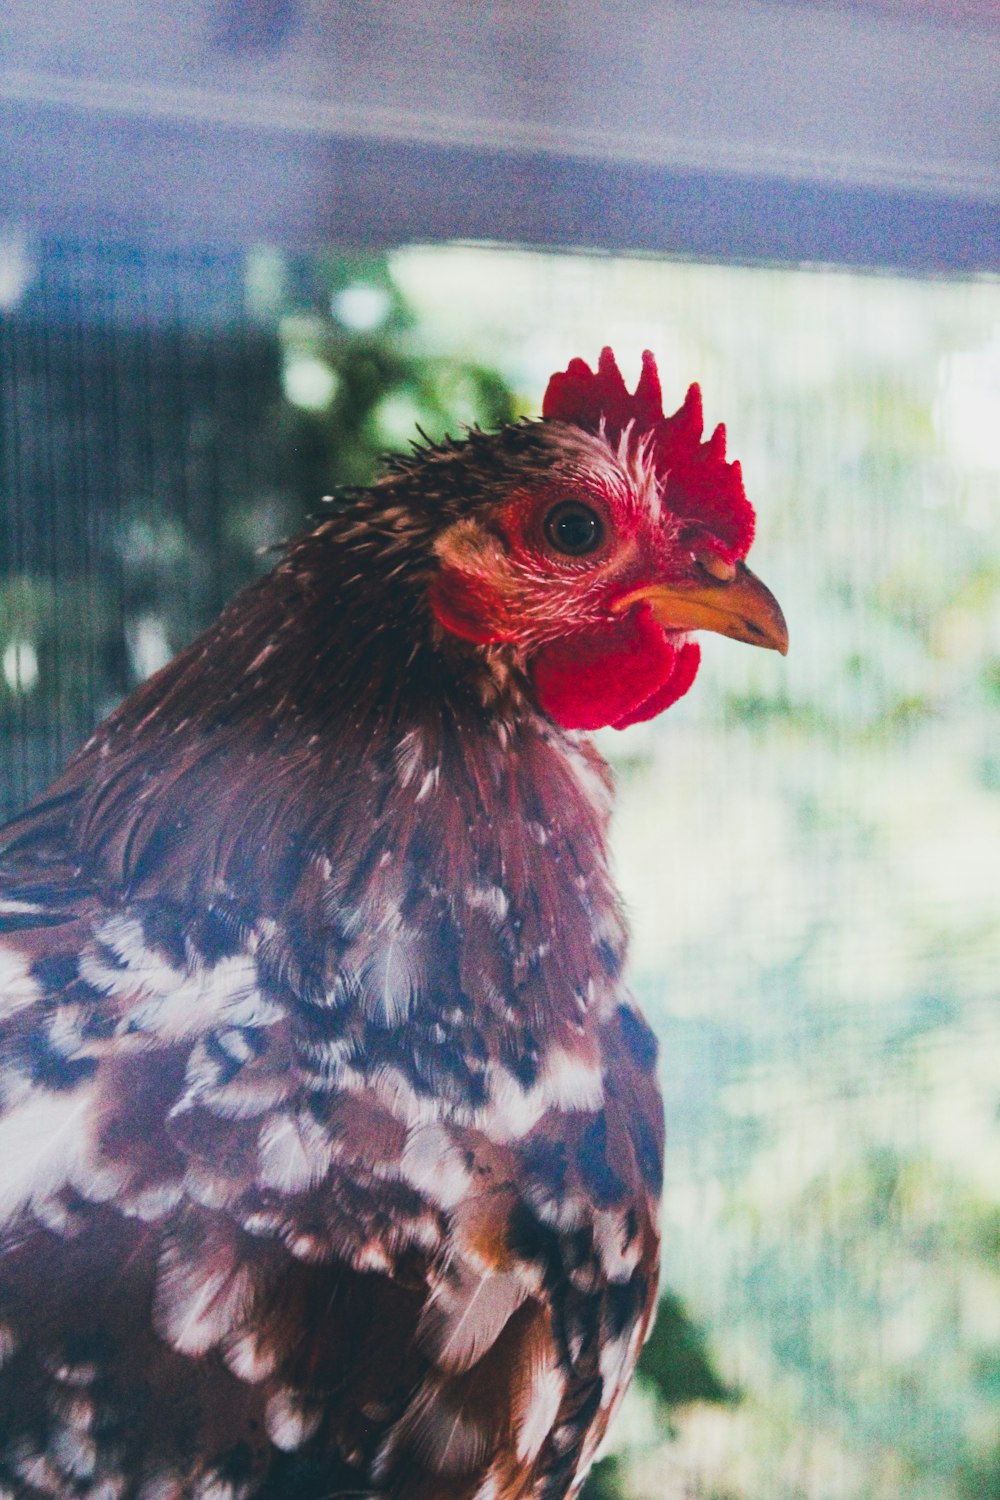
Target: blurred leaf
pixel 605 1481
pixel 675 1364
pixel 981 1481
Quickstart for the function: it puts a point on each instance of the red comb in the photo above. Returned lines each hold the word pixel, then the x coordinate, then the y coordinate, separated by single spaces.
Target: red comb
pixel 698 481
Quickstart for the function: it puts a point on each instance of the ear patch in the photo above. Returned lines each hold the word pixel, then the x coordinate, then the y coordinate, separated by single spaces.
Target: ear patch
pixel 474 595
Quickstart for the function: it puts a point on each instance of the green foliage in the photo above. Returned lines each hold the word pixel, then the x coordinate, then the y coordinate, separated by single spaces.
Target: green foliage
pixel 606 1481
pixel 980 1480
pixel 357 380
pixel 675 1364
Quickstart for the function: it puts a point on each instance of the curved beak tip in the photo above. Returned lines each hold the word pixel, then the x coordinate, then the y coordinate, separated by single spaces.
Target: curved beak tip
pixel 751 603
pixel 741 607
pixel 774 635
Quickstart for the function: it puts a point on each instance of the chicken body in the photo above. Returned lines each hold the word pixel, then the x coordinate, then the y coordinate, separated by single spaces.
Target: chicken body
pixel 330 1142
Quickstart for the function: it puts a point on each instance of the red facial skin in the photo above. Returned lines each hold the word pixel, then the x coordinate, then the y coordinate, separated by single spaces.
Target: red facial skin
pixel 668 502
pixel 589 665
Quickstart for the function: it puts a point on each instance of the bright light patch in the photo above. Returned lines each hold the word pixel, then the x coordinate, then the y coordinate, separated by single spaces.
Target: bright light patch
pixel 148 646
pixel 20 666
pixel 309 383
pixel 395 419
pixel 264 281
pixel 16 268
pixel 967 410
pixel 360 307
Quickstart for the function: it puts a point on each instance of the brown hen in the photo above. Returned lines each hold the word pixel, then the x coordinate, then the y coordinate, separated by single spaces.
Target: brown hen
pixel 330 1139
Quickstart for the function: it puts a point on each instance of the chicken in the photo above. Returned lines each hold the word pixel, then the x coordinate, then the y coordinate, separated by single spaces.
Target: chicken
pixel 330 1138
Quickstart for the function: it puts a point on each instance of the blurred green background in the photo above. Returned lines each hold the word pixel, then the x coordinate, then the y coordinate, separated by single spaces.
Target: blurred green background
pixel 809 849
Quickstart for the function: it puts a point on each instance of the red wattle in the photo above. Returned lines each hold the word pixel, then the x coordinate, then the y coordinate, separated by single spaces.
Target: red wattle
pixel 684 673
pixel 618 674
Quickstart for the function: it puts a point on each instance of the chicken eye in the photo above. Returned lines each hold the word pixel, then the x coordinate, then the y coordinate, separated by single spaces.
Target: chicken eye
pixel 573 529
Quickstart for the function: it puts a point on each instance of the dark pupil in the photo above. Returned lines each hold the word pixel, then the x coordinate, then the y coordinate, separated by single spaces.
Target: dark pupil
pixel 573 529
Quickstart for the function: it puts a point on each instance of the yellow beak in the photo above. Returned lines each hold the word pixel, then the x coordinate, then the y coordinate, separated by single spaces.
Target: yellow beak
pixel 741 607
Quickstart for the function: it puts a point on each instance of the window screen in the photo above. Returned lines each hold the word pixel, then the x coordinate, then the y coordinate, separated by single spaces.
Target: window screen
pixel 809 848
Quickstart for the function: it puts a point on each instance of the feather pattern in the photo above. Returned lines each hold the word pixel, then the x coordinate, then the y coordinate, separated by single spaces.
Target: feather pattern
pixel 330 1141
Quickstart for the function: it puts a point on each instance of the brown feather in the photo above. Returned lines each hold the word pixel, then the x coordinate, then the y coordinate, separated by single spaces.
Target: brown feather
pixel 332 1140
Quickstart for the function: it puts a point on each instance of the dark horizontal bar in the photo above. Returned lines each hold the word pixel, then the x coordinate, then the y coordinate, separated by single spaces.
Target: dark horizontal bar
pixel 185 184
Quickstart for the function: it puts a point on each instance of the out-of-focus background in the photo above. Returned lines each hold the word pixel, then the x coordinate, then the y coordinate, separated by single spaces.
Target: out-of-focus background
pixel 236 265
